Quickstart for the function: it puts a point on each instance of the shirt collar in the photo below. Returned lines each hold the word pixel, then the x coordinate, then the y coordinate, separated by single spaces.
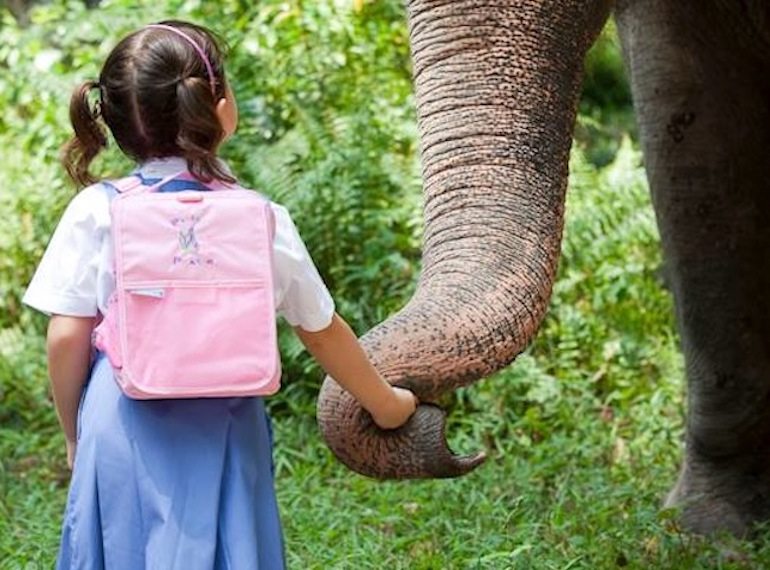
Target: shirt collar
pixel 168 166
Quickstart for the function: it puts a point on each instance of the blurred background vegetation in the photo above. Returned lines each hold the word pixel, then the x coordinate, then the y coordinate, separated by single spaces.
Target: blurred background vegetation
pixel 583 432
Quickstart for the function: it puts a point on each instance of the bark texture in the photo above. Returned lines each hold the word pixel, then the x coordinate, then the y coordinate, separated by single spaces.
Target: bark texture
pixel 497 84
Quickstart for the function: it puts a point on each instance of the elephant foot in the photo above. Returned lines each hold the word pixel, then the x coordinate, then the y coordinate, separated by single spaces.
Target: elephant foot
pixel 724 495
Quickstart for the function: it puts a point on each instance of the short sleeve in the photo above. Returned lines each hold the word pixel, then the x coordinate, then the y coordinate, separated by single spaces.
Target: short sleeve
pixel 65 282
pixel 301 295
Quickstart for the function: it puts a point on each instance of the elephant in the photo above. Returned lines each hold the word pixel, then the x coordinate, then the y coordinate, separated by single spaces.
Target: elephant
pixel 497 84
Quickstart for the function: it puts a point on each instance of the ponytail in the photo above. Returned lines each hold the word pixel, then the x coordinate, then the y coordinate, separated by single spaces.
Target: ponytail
pixel 90 137
pixel 200 131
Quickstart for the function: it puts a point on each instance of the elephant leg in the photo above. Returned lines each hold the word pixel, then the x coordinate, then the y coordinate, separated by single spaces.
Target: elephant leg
pixel 699 74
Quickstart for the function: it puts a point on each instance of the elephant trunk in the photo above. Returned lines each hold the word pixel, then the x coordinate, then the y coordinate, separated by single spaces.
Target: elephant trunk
pixel 497 84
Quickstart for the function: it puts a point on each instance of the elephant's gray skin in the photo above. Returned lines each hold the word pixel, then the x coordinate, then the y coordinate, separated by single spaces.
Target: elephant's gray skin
pixel 497 84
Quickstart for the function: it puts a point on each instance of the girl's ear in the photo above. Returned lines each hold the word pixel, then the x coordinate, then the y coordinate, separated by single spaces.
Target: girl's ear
pixel 227 112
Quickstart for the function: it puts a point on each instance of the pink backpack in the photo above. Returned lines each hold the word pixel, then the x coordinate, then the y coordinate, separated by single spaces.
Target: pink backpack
pixel 193 313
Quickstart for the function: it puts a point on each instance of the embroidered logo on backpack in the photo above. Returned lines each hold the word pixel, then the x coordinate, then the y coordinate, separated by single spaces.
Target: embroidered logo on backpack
pixel 189 249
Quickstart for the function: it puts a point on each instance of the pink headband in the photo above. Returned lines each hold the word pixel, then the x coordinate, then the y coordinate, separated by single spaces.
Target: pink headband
pixel 197 48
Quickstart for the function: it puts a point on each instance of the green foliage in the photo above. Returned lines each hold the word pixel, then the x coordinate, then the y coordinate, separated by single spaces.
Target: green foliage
pixel 337 140
pixel 33 478
pixel 605 108
pixel 329 133
pixel 605 85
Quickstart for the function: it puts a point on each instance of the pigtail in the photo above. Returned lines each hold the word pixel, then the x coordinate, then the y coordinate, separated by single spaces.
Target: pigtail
pixel 200 131
pixel 90 137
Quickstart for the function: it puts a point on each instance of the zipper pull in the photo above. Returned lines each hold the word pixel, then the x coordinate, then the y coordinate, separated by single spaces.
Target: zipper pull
pixel 155 293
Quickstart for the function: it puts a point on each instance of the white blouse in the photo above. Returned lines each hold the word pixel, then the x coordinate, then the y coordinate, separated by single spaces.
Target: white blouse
pixel 76 275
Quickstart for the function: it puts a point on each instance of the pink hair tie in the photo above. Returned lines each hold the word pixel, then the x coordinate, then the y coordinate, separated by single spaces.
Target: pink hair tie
pixel 197 48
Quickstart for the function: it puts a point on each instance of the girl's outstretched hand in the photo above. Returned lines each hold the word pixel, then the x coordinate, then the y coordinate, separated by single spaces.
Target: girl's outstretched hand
pixel 397 410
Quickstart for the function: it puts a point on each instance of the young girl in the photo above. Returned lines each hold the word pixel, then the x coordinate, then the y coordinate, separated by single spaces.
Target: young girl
pixel 171 484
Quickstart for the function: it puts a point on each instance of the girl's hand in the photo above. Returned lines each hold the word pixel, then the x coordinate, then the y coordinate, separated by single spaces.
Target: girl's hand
pixel 339 353
pixel 71 447
pixel 397 410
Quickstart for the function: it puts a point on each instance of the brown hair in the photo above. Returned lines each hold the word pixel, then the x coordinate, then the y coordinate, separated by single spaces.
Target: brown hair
pixel 156 98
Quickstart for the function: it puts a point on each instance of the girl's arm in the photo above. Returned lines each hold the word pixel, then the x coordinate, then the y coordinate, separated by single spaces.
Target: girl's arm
pixel 337 350
pixel 69 360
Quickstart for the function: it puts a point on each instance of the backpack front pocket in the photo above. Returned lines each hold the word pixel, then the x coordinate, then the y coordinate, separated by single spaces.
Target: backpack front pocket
pixel 190 340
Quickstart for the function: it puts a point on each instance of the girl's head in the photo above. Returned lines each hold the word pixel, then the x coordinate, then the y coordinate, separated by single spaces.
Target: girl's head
pixel 156 94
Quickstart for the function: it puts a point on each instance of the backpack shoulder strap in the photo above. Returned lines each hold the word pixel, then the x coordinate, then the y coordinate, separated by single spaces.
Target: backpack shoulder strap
pixel 134 182
pixel 270 218
pixel 270 214
pixel 125 184
pixel 268 206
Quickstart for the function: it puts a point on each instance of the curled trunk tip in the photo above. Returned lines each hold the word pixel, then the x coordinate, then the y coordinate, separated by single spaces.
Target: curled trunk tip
pixel 417 450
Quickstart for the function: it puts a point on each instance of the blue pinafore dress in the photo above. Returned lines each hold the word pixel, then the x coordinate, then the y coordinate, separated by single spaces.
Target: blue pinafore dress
pixel 170 484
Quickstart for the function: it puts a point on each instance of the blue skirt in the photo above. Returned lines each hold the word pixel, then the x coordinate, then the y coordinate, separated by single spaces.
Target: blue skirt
pixel 170 484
